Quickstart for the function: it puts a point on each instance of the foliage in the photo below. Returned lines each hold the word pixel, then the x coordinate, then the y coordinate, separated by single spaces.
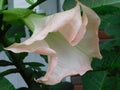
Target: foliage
pixel 106 72
pixel 5 84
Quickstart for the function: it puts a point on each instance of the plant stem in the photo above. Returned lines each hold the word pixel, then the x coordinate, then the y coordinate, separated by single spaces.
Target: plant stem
pixel 36 4
pixel 17 63
pixel 20 67
pixel 1 4
pixel 9 71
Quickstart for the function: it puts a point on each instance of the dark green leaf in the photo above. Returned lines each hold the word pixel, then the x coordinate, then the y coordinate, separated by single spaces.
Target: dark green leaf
pixel 107 10
pixel 20 56
pixel 1 47
pixel 15 15
pixel 5 84
pixel 91 3
pixel 14 34
pixel 45 58
pixel 112 25
pixel 30 1
pixel 110 44
pixel 98 3
pixel 38 2
pixel 10 71
pixel 94 80
pixel 68 4
pixel 5 63
pixel 1 4
pixel 23 88
pixel 111 83
pixel 111 59
pixel 34 64
pixel 34 73
pixel 14 30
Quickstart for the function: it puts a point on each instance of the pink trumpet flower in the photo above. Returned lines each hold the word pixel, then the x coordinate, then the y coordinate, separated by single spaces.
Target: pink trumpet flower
pixel 69 39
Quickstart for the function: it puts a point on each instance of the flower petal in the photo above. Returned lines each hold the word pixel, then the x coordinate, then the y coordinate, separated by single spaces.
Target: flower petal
pixel 44 25
pixel 68 23
pixel 90 43
pixel 70 61
pixel 82 30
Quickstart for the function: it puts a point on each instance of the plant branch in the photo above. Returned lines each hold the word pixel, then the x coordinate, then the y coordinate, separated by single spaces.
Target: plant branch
pixel 36 4
pixel 26 75
pixel 10 71
pixel 18 63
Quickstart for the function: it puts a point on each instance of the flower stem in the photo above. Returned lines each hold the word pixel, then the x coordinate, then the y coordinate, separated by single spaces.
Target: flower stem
pixel 36 4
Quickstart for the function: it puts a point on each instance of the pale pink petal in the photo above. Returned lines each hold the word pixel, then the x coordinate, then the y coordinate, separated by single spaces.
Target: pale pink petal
pixel 68 23
pixel 72 27
pixel 70 61
pixel 82 30
pixel 90 43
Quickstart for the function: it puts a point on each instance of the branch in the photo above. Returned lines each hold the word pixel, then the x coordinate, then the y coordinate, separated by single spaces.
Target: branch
pixel 36 4
pixel 10 71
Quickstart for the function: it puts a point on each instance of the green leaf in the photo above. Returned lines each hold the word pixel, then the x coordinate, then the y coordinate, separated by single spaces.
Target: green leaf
pixel 15 15
pixel 20 56
pixel 34 64
pixel 17 56
pixel 34 72
pixel 1 4
pixel 45 57
pixel 10 71
pixel 5 63
pixel 93 80
pixel 107 10
pixel 112 25
pixel 68 4
pixel 5 84
pixel 91 3
pixel 110 44
pixel 111 60
pixel 109 20
pixel 30 1
pixel 112 83
pixel 38 2
pixel 14 34
pixel 23 88
pixel 98 3
pixel 1 47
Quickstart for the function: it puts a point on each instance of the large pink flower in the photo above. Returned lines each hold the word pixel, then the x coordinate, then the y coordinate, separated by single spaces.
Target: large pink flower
pixel 68 38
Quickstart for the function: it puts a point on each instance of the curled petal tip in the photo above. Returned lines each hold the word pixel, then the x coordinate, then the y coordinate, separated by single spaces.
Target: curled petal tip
pixel 100 57
pixel 40 80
